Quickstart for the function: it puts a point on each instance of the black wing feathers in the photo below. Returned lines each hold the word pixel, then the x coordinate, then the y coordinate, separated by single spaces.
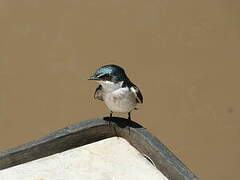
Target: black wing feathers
pixel 134 89
pixel 98 93
pixel 138 94
pixel 140 97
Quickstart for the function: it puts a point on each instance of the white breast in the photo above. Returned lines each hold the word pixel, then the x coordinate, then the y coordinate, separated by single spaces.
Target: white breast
pixel 118 99
pixel 121 100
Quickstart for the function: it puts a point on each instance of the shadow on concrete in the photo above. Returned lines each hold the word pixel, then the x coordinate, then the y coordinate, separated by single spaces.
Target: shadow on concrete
pixel 122 122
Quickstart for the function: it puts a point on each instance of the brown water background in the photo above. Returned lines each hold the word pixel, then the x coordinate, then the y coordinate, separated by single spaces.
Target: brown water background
pixel 184 55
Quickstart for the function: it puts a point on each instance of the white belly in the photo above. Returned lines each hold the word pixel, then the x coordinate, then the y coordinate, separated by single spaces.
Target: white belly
pixel 120 100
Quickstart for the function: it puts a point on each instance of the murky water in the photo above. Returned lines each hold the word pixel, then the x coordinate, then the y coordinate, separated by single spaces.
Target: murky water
pixel 183 55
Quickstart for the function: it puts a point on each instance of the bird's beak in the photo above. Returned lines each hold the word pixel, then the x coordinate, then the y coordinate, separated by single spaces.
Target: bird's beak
pixel 93 77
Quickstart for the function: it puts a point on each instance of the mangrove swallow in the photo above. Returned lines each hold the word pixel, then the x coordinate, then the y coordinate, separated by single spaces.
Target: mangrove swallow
pixel 116 90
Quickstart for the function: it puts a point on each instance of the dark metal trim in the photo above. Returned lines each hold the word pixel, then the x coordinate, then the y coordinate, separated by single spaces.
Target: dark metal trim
pixel 94 130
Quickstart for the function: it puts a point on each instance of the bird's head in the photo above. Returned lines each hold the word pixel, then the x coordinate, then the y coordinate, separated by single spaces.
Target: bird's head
pixel 112 73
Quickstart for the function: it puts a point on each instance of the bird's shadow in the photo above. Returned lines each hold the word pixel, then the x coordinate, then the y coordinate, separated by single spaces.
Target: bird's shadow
pixel 122 122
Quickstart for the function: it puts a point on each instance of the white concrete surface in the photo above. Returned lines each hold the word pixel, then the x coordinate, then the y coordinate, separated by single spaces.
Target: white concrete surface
pixel 108 159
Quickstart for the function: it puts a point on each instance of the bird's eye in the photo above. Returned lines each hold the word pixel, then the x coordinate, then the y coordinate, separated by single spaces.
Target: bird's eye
pixel 106 77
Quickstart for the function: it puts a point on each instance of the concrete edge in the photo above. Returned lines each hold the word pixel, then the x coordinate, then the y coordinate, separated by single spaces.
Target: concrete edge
pixel 94 130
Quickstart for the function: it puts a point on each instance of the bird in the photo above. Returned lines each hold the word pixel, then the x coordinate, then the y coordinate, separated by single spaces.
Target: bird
pixel 116 90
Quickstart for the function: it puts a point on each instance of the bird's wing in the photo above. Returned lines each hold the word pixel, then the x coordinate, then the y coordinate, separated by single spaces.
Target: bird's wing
pixel 98 93
pixel 137 93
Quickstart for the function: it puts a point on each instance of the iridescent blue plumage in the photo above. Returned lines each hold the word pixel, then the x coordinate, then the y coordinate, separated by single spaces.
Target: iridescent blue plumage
pixel 116 72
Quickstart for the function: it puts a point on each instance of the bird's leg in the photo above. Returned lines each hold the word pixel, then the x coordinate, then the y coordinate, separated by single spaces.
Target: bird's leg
pixel 111 114
pixel 130 121
pixel 109 122
pixel 129 116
